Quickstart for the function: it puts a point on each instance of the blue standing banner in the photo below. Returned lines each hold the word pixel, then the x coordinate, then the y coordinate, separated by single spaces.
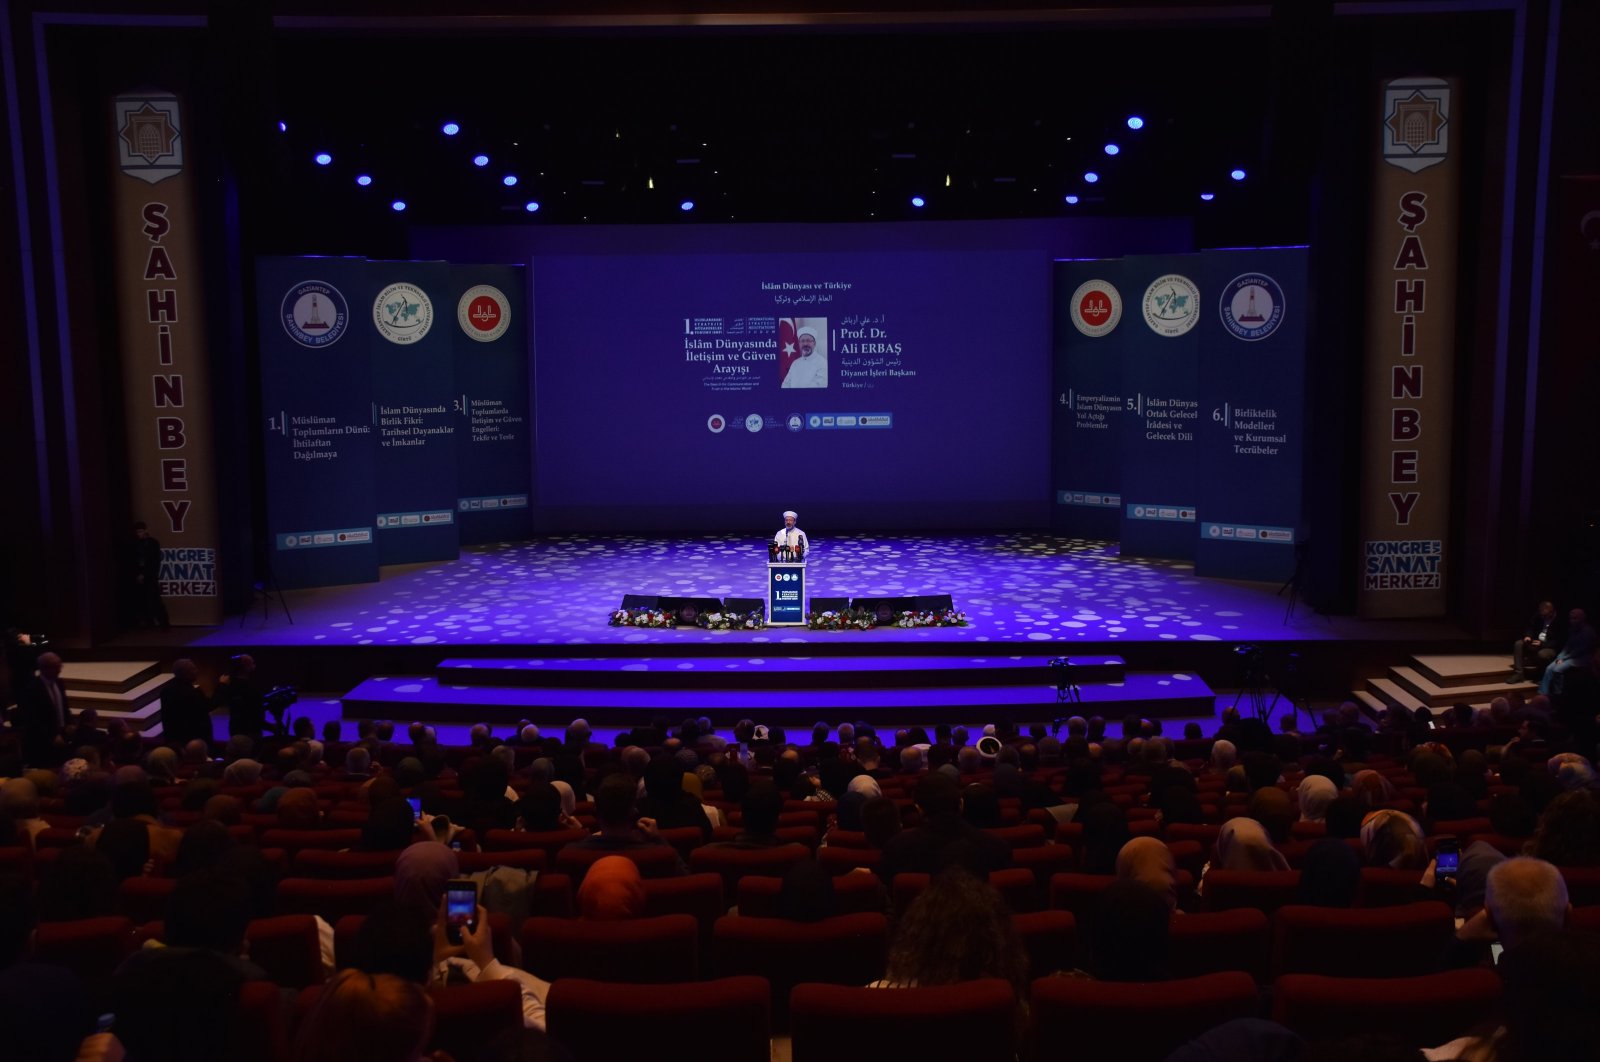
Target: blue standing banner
pixel 408 326
pixel 494 447
pixel 1252 397
pixel 1161 405
pixel 316 397
pixel 786 593
pixel 1086 466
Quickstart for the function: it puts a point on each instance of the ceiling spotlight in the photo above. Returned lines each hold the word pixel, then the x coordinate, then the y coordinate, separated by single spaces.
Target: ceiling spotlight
pixel 1091 177
pixel 450 129
pixel 363 180
pixel 531 207
pixel 1206 197
pixel 918 201
pixel 480 160
pixel 1135 122
pixel 1237 175
pixel 1112 149
pixel 509 180
pixel 323 158
pixel 1072 200
pixel 397 205
pixel 686 206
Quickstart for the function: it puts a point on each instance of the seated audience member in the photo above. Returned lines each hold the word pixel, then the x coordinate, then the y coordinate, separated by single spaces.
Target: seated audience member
pixel 620 827
pixel 1105 831
pixel 1343 818
pixel 1149 862
pixel 1316 792
pixel 943 839
pixel 1243 844
pixel 539 810
pixel 1523 896
pixel 667 804
pixel 1568 834
pixel 421 873
pixel 1510 816
pixel 43 1009
pixel 19 802
pixel 1576 652
pixel 612 890
pixel 80 883
pixel 759 812
pixel 1330 875
pixel 204 846
pixel 298 809
pixel 1542 637
pixel 957 930
pixel 390 826
pixel 1372 789
pixel 1392 838
pixel 1551 996
pixel 980 806
pixel 126 842
pixel 1224 754
pixel 377 1018
pixel 1130 935
pixel 1272 807
pixel 1448 802
pixel 880 821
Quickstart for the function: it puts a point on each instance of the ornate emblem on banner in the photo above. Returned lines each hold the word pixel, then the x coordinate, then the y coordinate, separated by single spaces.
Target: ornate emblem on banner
pixel 1252 306
pixel 314 314
pixel 1416 123
pixel 484 313
pixel 1171 305
pixel 1096 308
pixel 403 313
pixel 716 423
pixel 149 140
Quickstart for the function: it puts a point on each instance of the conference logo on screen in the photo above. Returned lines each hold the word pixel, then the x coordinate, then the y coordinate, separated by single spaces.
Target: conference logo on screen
pixel 1096 308
pixel 1171 305
pixel 1416 122
pixel 1252 306
pixel 403 313
pixel 484 313
pixel 149 140
pixel 716 422
pixel 314 314
pixel 754 422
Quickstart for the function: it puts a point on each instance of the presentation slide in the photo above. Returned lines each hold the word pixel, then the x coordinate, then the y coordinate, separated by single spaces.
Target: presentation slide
pixel 870 389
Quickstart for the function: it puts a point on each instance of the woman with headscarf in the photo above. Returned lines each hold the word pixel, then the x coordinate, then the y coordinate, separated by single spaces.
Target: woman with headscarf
pixel 1243 844
pixel 1316 793
pixel 1149 862
pixel 569 799
pixel 1272 807
pixel 1372 789
pixel 421 873
pixel 1393 839
pixel 612 890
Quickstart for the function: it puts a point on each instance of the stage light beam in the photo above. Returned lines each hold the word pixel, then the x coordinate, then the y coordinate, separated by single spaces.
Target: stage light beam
pixel 531 207
pixel 1112 149
pixel 918 201
pixel 1135 122
pixel 398 205
pixel 1072 200
pixel 686 206
pixel 363 180
pixel 1206 197
pixel 509 180
pixel 1091 177
pixel 450 129
pixel 480 161
pixel 1237 175
pixel 323 158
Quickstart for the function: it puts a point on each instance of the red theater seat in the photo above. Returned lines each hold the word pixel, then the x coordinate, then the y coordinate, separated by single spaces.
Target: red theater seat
pixel 92 948
pixel 1265 890
pixel 1050 938
pixel 1019 836
pixel 551 841
pixel 696 895
pixel 522 859
pixel 657 950
pixel 843 950
pixel 597 1021
pixel 735 863
pixel 292 841
pixel 1421 1011
pixel 974 1022
pixel 1204 832
pixel 1219 941
pixel 656 861
pixel 1583 885
pixel 258 1032
pixel 145 899
pixel 853 894
pixel 343 866
pixel 1044 861
pixel 1387 887
pixel 1402 941
pixel 332 900
pixel 1104 1019
pixel 838 861
pixel 288 948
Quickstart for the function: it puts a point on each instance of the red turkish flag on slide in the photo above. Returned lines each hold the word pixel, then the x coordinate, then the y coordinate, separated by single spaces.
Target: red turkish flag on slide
pixel 788 347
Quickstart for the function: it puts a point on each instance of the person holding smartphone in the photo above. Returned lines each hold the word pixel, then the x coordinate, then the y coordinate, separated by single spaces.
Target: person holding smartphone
pixel 463 950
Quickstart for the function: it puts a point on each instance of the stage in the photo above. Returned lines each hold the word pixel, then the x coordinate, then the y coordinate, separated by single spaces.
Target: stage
pixel 1047 593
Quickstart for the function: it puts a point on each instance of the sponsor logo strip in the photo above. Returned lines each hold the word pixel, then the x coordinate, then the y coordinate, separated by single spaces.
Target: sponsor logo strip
pixel 1182 514
pixel 1092 499
pixel 492 501
pixel 426 518
pixel 344 536
pixel 1248 533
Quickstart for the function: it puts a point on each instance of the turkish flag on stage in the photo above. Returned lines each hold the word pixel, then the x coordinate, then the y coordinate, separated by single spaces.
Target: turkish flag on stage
pixel 788 348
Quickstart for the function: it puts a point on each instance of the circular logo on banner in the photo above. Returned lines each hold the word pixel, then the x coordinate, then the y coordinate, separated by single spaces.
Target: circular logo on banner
pixel 483 313
pixel 795 422
pixel 403 313
pixel 753 422
pixel 1252 306
pixel 1171 305
pixel 1096 308
pixel 314 314
pixel 716 423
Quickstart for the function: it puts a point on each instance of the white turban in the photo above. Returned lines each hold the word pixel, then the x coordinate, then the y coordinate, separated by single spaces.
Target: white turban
pixel 806 331
pixel 790 514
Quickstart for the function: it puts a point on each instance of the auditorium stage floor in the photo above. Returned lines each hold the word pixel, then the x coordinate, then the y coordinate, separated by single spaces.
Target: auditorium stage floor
pixel 1018 589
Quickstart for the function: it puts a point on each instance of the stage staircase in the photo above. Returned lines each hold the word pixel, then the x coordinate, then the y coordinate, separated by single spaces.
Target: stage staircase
pixel 1441 681
pixel 782 690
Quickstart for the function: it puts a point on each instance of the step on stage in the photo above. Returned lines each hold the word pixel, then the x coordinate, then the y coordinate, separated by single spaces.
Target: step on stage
pixel 520 630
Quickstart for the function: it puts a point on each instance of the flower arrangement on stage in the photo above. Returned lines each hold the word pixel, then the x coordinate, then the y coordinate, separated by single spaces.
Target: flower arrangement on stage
pixel 642 617
pixel 944 617
pixel 849 619
pixel 732 621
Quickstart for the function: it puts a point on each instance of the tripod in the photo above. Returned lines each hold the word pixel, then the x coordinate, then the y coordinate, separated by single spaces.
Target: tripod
pixel 266 590
pixel 1067 691
pixel 1256 683
pixel 1296 581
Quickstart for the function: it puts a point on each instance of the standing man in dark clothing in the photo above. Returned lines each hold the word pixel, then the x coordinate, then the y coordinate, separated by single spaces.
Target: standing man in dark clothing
pixel 1541 640
pixel 943 838
pixel 185 709
pixel 148 608
pixel 42 714
pixel 238 693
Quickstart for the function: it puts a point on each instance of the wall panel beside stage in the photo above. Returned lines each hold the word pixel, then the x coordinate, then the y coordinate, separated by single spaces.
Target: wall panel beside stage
pixel 316 397
pixel 494 457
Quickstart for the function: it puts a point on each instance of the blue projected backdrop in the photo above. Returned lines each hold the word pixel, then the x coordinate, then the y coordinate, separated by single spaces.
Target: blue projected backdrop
pixel 865 389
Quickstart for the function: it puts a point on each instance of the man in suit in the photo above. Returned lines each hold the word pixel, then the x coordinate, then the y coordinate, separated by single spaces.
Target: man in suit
pixel 237 691
pixel 1541 640
pixel 42 713
pixel 185 709
pixel 149 609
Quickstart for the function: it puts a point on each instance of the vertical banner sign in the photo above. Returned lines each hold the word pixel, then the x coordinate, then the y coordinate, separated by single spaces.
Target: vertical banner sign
pixel 316 399
pixel 1161 405
pixel 1086 468
pixel 1252 401
pixel 166 387
pixel 408 322
pixel 494 447
pixel 1411 308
